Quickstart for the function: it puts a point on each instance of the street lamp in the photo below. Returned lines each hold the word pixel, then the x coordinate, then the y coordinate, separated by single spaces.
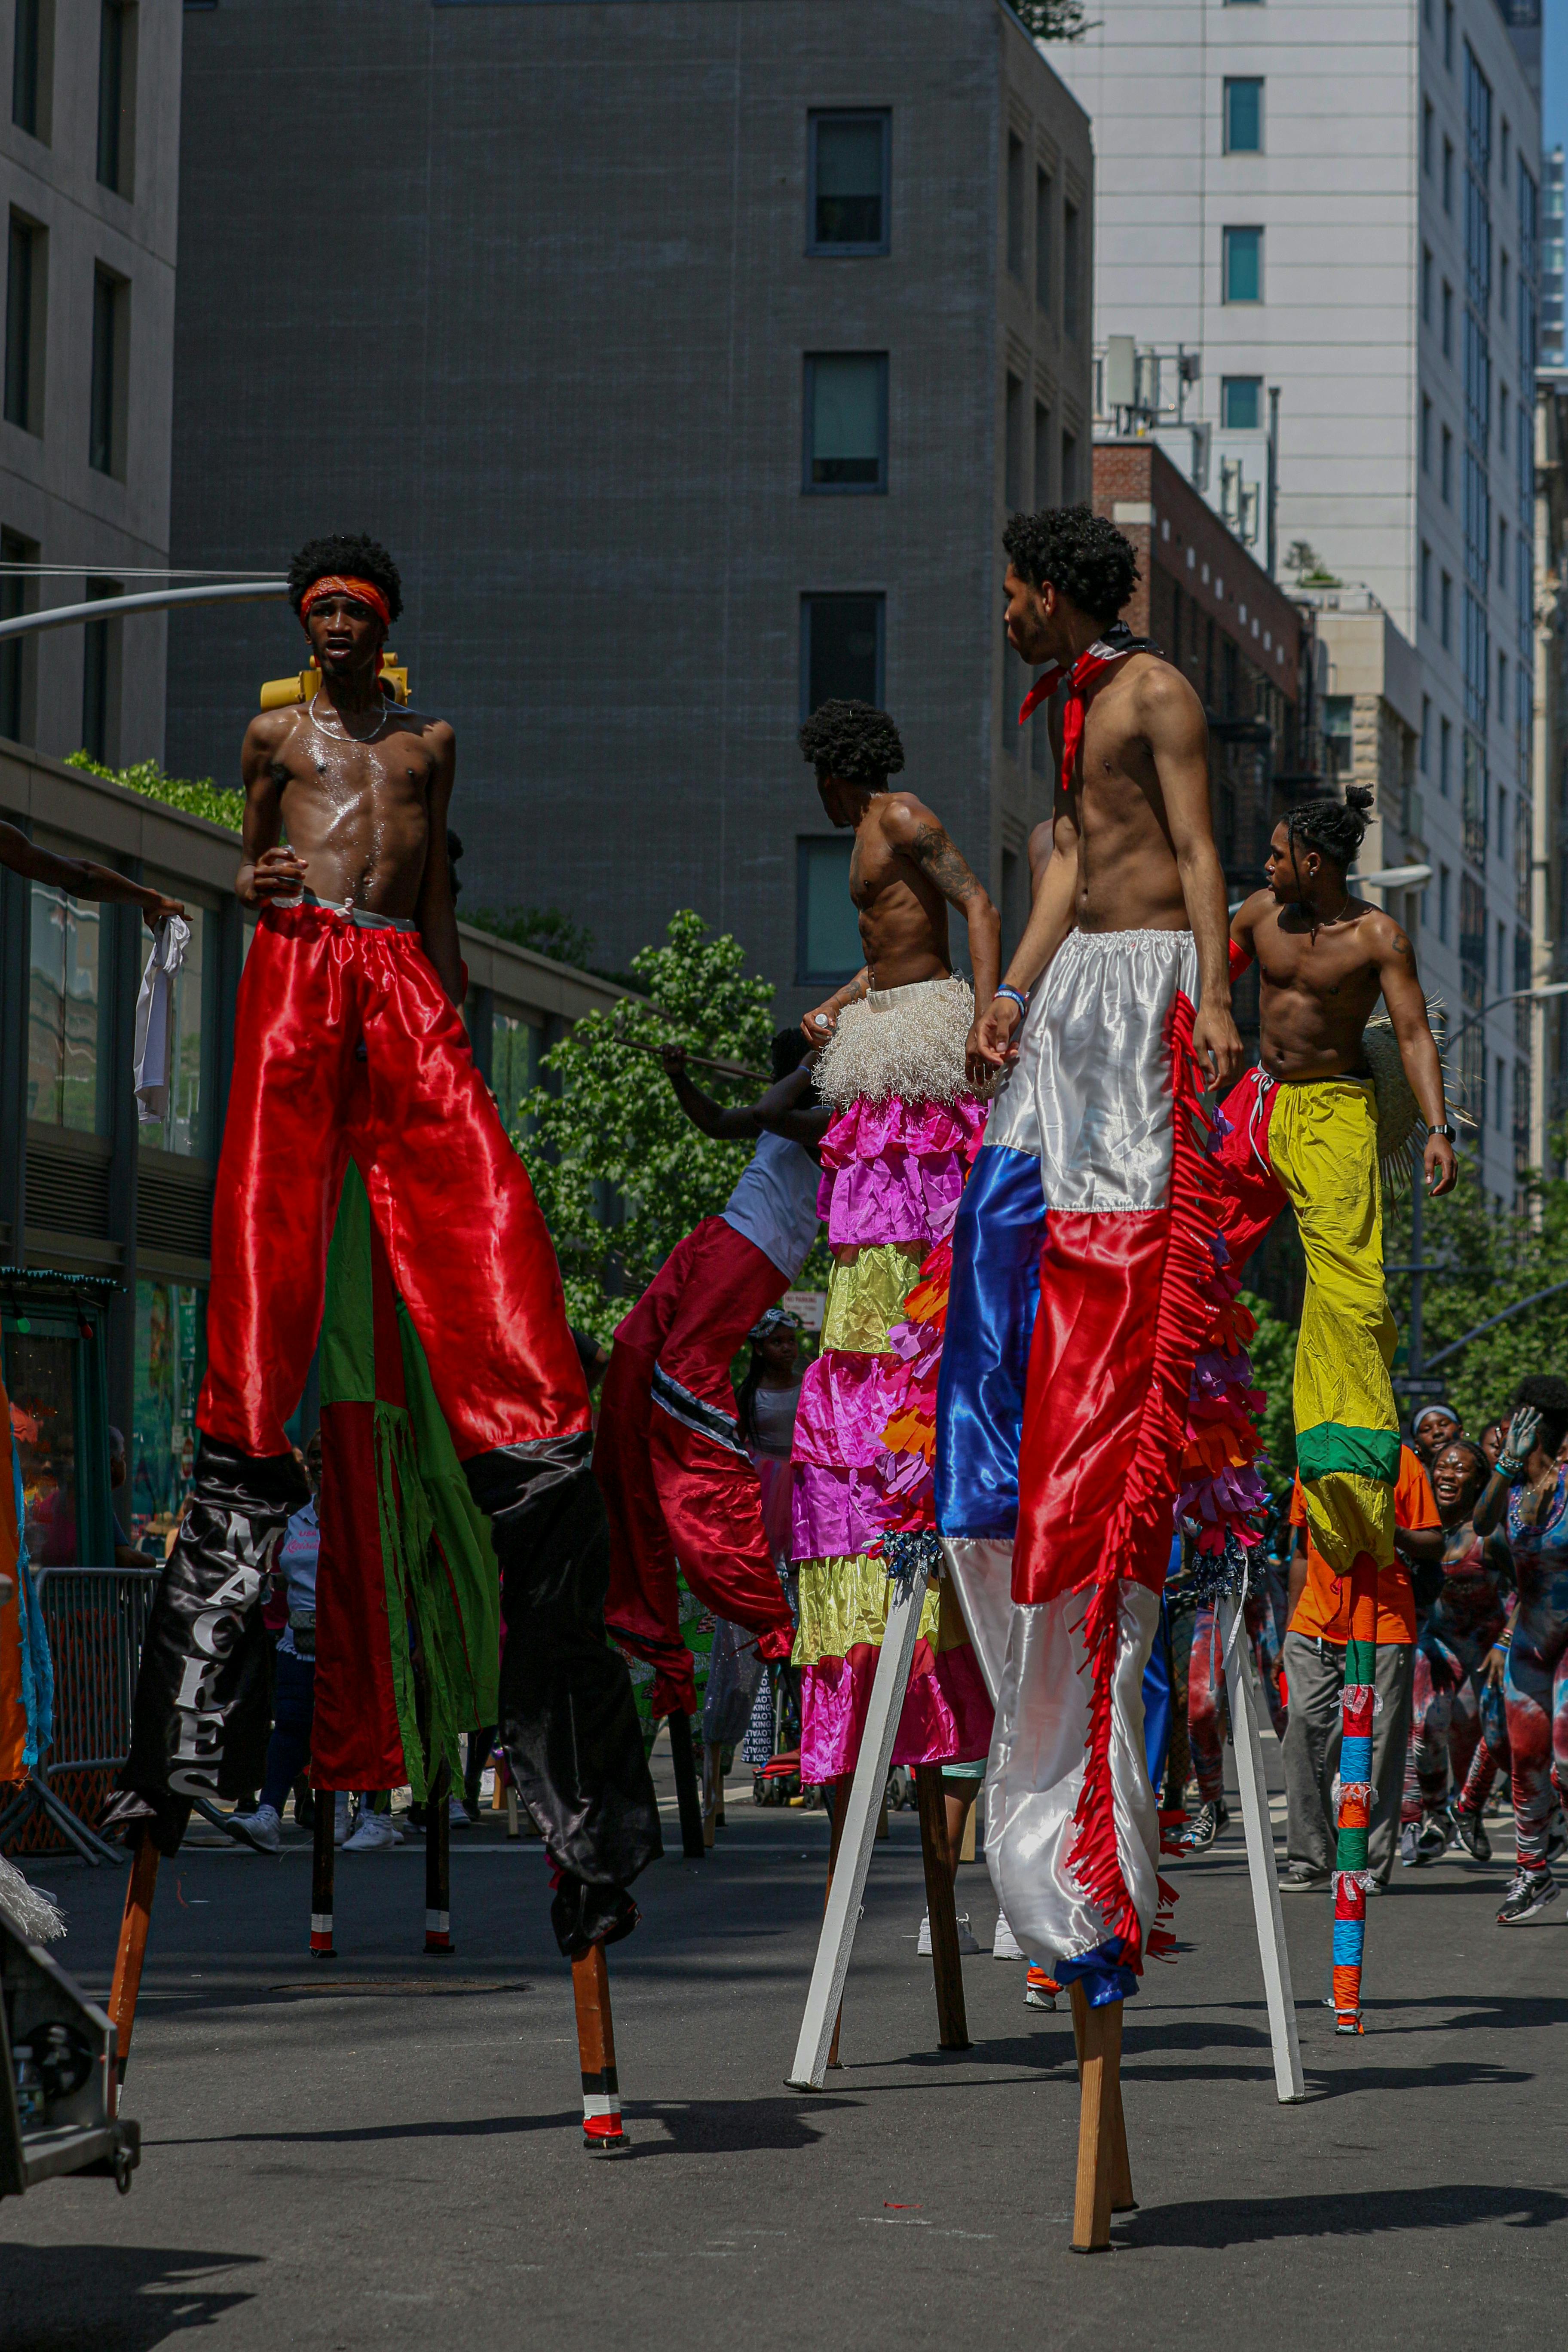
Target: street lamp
pixel 1516 996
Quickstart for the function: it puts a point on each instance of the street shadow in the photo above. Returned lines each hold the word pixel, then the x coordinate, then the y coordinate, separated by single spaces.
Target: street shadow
pixel 695 2126
pixel 1217 2222
pixel 1458 2074
pixel 84 2298
pixel 1492 2013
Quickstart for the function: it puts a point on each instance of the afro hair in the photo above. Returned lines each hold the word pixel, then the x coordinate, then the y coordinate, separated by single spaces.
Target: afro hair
pixel 852 741
pixel 355 557
pixel 1085 558
pixel 1335 829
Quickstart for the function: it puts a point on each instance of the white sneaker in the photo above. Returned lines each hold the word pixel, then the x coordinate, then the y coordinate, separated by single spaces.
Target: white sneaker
pixel 262 1830
pixel 457 1814
pixel 1004 1945
pixel 966 1942
pixel 339 1817
pixel 374 1833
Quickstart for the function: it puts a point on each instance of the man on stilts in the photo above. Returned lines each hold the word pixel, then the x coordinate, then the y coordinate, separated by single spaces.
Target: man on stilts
pixel 349 1044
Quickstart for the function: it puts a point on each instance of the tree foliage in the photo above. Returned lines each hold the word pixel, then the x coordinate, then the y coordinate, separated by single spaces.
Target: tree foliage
pixel 1273 1370
pixel 1490 1257
pixel 198 797
pixel 621 1174
pixel 545 929
pixel 1053 20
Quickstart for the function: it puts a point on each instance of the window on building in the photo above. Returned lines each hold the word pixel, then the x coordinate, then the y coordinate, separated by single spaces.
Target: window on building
pixel 110 374
pixel 65 1012
pixel 1448 33
pixel 170 1363
pixel 1243 264
pixel 1445 902
pixel 1502 551
pixel 186 1127
pixel 100 680
pixel 1502 689
pixel 26 282
pixel 32 67
pixel 1444 761
pixel 1241 403
pixel 1069 470
pixel 827 933
pixel 1502 287
pixel 841 641
pixel 1497 1119
pixel 1072 271
pixel 1448 321
pixel 1501 981
pixel 1445 611
pixel 1043 194
pixel 845 421
pixel 1426 734
pixel 1426 583
pixel 516 1045
pixel 1503 422
pixel 848 183
pixel 19 595
pixel 1427 117
pixel 1042 454
pixel 116 94
pixel 1014 489
pixel 1445 471
pixel 1016 206
pixel 1242 117
pixel 1427 284
pixel 1426 434
pixel 1338 758
pixel 1447 176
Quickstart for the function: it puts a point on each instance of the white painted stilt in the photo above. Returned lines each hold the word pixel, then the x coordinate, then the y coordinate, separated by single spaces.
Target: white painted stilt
pixel 836 1940
pixel 1266 1907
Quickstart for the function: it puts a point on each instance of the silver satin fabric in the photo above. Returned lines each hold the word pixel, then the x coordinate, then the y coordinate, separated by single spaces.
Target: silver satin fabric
pixel 1036 1765
pixel 1090 1091
pixel 981 1569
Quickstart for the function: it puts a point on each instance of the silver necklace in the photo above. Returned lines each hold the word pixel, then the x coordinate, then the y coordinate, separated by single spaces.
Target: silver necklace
pixel 347 735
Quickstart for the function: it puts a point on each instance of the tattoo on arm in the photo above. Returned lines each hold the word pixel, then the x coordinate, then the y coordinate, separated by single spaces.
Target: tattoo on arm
pixel 934 850
pixel 1406 952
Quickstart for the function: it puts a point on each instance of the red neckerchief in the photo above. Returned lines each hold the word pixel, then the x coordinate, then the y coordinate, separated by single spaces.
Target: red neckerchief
pixel 1088 670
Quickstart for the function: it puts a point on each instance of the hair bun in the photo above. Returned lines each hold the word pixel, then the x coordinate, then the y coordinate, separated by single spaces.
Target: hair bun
pixel 1357 796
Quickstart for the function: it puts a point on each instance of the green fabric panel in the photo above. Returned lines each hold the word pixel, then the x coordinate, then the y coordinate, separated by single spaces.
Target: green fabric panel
pixel 406 1527
pixel 348 1337
pixel 1366 1452
pixel 460 1616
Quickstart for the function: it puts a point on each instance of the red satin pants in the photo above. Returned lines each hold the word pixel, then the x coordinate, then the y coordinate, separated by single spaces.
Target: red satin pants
pixel 677 1482
pixel 346 1045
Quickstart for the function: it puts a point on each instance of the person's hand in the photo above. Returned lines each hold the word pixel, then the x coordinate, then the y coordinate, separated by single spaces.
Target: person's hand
pixel 989 1046
pixel 674 1060
pixel 1441 1164
pixel 158 909
pixel 1522 1432
pixel 276 874
pixel 1494 1665
pixel 819 1025
pixel 1216 1043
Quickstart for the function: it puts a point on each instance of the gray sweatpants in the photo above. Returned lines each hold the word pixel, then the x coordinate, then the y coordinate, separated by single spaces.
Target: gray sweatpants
pixel 1315 1673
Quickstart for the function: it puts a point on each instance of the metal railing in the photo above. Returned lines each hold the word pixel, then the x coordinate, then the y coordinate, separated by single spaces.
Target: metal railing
pixel 95 1620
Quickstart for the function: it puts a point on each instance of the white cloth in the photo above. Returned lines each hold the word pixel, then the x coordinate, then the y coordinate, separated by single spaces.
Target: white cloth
pixel 773 1420
pixel 154 1017
pixel 774 1203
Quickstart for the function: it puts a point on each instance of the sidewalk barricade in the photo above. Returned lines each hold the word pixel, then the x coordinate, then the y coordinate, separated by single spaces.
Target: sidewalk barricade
pixel 95 1619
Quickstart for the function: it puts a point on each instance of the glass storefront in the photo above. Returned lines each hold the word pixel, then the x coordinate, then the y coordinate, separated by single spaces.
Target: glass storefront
pixel 41 1377
pixel 169 1363
pixel 185 1128
pixel 515 1048
pixel 64 1010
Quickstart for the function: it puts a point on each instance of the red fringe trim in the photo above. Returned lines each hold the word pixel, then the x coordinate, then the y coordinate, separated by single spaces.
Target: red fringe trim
pixel 1138 1542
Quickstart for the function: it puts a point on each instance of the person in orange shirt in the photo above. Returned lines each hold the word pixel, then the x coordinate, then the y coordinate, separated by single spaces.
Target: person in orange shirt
pixel 1315 1638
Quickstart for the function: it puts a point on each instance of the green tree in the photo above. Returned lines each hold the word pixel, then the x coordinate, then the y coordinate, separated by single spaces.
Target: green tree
pixel 621 1174
pixel 1490 1256
pixel 1053 20
pixel 545 929
pixel 198 797
pixel 1273 1370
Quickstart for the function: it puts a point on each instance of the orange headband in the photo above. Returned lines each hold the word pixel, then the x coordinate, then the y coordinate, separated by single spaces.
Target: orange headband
pixel 365 590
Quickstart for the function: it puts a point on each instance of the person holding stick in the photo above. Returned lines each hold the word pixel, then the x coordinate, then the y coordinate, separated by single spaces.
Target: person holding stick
pixel 669 1454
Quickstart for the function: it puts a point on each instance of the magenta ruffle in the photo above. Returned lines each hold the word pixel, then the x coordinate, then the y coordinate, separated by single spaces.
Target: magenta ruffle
pixel 946 1719
pixel 836 1513
pixel 894 1171
pixel 846 1401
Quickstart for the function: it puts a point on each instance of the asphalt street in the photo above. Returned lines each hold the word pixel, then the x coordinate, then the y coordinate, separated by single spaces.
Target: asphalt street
pixel 387 2151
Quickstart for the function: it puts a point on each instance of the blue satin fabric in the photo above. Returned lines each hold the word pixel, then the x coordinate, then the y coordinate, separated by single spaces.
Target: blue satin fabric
pixel 1100 1973
pixel 993 1299
pixel 1157 1705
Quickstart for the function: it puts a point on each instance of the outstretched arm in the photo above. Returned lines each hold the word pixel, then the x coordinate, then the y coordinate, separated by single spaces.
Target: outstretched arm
pixel 79 876
pixel 1177 735
pixel 1406 1003
pixel 437 911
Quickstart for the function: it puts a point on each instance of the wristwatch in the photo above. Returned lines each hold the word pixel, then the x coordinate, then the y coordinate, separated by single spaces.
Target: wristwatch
pixel 1449 1133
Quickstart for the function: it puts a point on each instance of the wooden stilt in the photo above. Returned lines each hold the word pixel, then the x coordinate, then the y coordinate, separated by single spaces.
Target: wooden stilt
pixel 512 1829
pixel 132 1950
pixel 439 1862
pixel 602 2133
pixel 324 1866
pixel 683 1756
pixel 838 1809
pixel 1289 2083
pixel 712 1777
pixel 952 2025
pixel 1104 2173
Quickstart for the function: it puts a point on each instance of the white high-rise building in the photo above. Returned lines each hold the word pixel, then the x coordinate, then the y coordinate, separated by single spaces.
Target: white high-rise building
pixel 1337 203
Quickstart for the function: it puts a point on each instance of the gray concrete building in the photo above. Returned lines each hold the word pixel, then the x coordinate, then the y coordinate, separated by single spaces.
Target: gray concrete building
pixel 89 175
pixel 688 357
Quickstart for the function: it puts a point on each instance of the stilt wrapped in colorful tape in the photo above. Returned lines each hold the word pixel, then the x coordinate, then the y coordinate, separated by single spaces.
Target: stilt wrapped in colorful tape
pixel 1350 1873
